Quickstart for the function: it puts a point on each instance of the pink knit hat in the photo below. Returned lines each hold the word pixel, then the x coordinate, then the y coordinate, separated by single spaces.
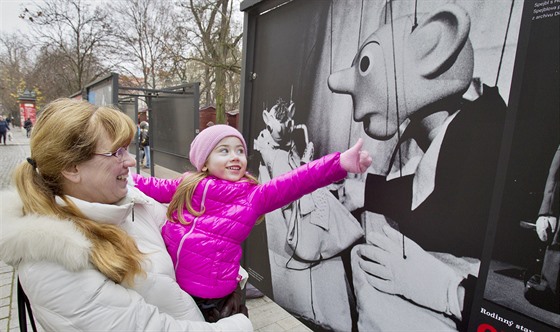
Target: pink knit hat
pixel 206 141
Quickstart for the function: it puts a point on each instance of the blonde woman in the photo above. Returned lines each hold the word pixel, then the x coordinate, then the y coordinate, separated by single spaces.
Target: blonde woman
pixel 86 245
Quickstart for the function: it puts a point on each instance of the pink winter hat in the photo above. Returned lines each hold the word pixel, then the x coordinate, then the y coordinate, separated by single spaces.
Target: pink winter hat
pixel 206 141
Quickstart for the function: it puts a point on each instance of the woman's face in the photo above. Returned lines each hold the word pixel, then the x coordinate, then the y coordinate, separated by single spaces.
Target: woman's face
pixel 228 160
pixel 102 179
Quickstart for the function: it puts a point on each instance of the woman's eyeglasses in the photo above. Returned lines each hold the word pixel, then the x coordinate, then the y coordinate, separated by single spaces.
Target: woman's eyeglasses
pixel 120 154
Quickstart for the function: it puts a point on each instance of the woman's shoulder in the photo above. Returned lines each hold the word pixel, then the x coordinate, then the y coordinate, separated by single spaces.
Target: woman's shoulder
pixel 37 237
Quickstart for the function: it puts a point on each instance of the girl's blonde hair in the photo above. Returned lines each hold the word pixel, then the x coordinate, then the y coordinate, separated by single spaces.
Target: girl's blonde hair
pixel 66 134
pixel 184 194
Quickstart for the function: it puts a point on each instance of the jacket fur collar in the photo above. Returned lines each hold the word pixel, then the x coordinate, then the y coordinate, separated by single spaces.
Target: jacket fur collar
pixel 44 238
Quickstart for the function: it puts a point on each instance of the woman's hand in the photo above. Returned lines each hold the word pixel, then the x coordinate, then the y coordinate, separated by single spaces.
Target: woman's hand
pixel 233 305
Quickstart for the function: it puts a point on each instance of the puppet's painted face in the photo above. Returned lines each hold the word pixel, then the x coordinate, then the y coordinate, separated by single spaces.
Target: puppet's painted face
pixel 279 122
pixel 399 71
pixel 367 81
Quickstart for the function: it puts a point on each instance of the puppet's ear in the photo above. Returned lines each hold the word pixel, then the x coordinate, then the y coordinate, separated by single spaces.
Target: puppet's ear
pixel 291 110
pixel 266 116
pixel 437 42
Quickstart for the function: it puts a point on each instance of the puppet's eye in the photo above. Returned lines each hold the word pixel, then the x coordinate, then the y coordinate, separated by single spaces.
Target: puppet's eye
pixel 367 57
pixel 364 63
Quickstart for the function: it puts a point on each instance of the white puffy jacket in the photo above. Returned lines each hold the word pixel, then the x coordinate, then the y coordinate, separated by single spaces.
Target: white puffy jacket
pixel 68 294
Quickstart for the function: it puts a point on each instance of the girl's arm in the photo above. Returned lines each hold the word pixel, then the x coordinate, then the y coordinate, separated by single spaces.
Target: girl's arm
pixel 309 177
pixel 161 190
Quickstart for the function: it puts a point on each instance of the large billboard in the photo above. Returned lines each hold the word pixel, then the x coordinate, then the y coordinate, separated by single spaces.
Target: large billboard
pixel 457 102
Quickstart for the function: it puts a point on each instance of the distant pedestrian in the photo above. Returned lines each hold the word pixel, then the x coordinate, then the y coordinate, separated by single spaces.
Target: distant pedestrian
pixel 9 121
pixel 4 129
pixel 28 125
pixel 145 142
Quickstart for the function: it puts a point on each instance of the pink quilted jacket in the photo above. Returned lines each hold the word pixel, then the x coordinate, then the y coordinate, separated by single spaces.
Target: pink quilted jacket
pixel 206 253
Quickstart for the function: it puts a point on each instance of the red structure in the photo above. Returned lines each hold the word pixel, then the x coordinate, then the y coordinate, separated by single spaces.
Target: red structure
pixel 27 106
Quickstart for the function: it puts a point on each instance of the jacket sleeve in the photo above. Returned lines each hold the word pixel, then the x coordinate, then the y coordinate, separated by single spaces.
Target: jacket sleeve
pixel 162 190
pixel 301 181
pixel 87 301
pixel 163 291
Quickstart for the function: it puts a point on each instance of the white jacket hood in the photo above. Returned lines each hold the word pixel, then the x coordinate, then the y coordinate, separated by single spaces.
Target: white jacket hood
pixel 37 238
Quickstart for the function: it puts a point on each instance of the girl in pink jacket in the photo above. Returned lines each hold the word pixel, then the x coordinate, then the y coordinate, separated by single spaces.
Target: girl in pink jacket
pixel 212 211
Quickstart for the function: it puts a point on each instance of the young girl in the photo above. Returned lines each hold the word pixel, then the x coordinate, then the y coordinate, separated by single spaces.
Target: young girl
pixel 213 210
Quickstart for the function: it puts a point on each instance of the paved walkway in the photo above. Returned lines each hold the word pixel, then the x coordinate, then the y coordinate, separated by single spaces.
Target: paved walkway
pixel 10 156
pixel 263 312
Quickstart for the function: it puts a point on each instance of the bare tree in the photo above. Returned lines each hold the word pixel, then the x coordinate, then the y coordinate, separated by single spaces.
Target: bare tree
pixel 215 41
pixel 149 41
pixel 14 72
pixel 76 33
pixel 142 28
pixel 51 63
pixel 182 66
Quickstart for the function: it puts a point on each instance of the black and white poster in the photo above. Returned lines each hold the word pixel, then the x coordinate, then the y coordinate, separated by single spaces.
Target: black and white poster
pixel 457 102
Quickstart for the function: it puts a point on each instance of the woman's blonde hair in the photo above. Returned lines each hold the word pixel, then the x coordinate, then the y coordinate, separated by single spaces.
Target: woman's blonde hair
pixel 184 194
pixel 66 134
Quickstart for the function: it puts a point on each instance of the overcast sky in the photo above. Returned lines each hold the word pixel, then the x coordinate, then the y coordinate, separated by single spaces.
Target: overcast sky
pixel 9 12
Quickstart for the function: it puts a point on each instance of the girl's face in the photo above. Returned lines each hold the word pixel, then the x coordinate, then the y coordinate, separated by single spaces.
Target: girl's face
pixel 227 160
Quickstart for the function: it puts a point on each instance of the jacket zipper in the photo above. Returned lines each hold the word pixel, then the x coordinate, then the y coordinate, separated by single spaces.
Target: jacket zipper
pixel 177 257
pixel 184 237
pixel 133 205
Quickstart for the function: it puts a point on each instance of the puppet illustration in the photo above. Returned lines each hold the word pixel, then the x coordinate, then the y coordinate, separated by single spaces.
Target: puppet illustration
pixel 408 80
pixel 542 289
pixel 281 135
pixel 305 237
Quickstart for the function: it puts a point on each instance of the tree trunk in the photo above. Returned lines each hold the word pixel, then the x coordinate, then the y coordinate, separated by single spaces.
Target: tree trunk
pixel 220 96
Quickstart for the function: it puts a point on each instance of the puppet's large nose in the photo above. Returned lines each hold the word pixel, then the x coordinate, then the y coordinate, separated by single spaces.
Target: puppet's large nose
pixel 342 81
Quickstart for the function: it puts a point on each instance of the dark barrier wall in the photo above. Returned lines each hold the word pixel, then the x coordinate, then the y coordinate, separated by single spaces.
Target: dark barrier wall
pixel 129 108
pixel 457 102
pixel 174 121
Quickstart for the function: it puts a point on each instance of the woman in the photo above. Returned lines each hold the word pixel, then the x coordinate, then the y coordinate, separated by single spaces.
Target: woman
pixel 87 245
pixel 4 129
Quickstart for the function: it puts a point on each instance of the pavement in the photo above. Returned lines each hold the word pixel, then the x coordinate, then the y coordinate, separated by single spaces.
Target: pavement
pixel 263 312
